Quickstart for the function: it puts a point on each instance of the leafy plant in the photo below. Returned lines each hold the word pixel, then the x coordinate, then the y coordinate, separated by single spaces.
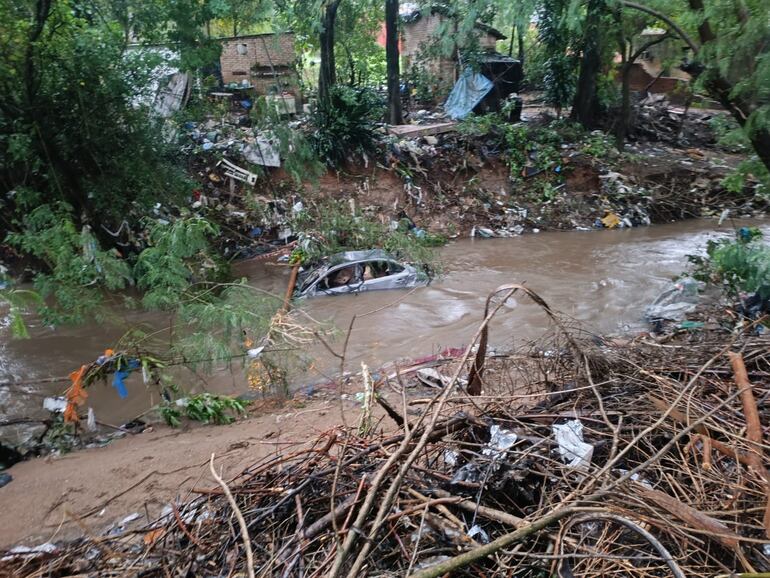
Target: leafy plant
pixel 345 124
pixel 78 270
pixel 748 171
pixel 18 301
pixel 204 407
pixel 178 255
pixel 740 264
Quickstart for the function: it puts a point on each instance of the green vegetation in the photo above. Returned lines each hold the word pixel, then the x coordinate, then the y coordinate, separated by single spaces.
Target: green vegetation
pixel 345 125
pixel 331 227
pixel 99 193
pixel 535 148
pixel 203 407
pixel 738 265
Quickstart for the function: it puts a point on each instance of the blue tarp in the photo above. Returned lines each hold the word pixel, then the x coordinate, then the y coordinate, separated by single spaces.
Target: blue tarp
pixel 468 91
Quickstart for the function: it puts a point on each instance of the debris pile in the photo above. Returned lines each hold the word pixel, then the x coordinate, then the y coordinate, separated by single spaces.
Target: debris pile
pixel 580 460
pixel 657 120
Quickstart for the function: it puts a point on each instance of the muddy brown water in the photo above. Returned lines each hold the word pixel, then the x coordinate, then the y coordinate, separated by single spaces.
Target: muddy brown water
pixel 602 278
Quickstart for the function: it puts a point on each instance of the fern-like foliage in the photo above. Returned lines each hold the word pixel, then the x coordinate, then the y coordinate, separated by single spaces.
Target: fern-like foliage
pixel 78 270
pixel 178 254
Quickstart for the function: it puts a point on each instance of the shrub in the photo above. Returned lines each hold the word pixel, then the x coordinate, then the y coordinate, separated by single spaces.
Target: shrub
pixel 204 407
pixel 345 124
pixel 740 264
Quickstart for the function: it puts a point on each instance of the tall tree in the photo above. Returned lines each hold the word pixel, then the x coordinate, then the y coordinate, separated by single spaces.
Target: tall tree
pixel 392 57
pixel 559 75
pixel 327 72
pixel 585 106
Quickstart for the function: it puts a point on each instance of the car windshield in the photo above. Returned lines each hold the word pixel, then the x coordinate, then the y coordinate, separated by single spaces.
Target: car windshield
pixel 340 277
pixel 311 278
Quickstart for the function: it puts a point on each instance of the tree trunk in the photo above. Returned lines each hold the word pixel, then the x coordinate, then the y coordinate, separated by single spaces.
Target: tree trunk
pixel 520 54
pixel 392 57
pixel 621 127
pixel 585 104
pixel 327 76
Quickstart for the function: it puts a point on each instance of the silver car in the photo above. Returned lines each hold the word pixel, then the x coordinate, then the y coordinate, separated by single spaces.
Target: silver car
pixel 356 271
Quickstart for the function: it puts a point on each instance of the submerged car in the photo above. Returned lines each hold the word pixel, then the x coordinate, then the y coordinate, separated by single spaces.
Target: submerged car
pixel 356 271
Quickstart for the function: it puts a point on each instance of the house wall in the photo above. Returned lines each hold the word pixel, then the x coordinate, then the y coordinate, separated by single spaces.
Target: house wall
pixel 639 79
pixel 259 59
pixel 667 53
pixel 418 36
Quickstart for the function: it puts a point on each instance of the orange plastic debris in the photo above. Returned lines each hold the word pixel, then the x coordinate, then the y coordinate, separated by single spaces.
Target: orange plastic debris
pixel 153 535
pixel 76 395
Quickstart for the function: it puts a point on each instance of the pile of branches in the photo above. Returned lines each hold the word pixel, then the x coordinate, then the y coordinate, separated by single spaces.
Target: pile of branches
pixel 645 461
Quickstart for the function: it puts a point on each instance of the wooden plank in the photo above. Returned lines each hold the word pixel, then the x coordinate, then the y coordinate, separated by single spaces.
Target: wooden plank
pixel 419 130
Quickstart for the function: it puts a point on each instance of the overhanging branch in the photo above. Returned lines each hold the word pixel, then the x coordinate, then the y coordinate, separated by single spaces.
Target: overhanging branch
pixel 660 16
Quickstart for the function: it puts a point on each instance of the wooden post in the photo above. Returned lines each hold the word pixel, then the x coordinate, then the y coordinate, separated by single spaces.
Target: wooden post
pixel 290 288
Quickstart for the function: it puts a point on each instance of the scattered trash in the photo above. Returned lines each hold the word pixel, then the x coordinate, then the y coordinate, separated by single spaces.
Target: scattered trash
pixel 500 441
pixel 5 479
pixel 462 469
pixel 55 404
pixel 468 91
pixel 255 352
pixel 675 302
pixel 235 172
pixel 29 551
pixel 450 457
pixel 479 531
pixel 91 421
pixel 690 325
pixel 572 449
pixel 611 220
pixel 432 378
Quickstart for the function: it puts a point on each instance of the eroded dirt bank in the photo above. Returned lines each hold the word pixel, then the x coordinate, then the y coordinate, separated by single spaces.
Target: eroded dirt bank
pixel 143 474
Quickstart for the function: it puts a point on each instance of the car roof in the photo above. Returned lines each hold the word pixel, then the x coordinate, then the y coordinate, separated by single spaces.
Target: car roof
pixel 357 256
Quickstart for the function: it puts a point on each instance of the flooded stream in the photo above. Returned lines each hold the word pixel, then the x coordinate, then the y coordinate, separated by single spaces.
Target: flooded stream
pixel 602 278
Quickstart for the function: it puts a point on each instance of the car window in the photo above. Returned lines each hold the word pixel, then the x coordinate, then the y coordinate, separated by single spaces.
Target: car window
pixel 378 269
pixel 341 277
pixel 394 268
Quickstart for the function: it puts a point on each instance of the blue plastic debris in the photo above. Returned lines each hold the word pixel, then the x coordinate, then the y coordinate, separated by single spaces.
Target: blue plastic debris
pixel 468 91
pixel 119 377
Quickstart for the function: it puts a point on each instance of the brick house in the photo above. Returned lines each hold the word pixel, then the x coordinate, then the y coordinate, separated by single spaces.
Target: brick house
pixel 419 30
pixel 657 69
pixel 266 61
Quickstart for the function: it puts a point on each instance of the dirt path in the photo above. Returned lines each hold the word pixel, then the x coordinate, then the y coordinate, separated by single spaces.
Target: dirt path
pixel 143 473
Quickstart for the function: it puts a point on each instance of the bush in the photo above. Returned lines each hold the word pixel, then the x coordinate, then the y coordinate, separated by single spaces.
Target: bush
pixel 204 407
pixel 345 124
pixel 741 264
